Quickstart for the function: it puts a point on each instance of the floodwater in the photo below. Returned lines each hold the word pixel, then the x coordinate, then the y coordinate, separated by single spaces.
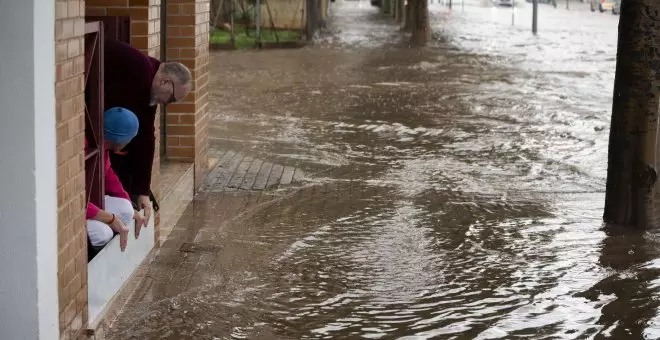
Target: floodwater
pixel 452 192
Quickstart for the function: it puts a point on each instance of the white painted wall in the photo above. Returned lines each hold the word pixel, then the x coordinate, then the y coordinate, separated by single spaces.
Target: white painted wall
pixel 28 203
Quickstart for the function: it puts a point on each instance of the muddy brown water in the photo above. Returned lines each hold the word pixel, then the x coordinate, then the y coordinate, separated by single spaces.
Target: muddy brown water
pixel 454 192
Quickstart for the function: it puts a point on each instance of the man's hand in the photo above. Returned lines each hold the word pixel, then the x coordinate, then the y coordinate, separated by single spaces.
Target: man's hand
pixel 145 203
pixel 140 222
pixel 118 226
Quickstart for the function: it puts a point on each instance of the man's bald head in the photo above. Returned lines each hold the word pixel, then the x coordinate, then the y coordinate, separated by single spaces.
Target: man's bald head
pixel 178 71
pixel 172 82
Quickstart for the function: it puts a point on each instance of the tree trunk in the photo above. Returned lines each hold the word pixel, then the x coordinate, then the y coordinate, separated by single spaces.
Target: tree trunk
pixel 395 9
pixel 216 6
pixel 631 173
pixel 421 30
pixel 409 16
pixel 401 11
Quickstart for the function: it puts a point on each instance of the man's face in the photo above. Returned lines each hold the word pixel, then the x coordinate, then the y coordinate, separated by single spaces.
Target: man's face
pixel 167 91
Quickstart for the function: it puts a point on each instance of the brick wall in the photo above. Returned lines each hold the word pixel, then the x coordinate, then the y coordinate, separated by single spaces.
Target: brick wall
pixel 72 237
pixel 188 27
pixel 145 20
pixel 69 92
pixel 187 121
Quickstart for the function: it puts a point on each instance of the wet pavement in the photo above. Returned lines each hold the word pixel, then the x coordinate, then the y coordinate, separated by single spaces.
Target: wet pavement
pixel 451 192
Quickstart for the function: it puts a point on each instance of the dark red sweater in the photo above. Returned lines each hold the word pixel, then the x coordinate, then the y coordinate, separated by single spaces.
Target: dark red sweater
pixel 127 81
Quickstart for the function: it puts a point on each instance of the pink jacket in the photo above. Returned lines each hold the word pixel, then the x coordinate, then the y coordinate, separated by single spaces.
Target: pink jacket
pixel 113 186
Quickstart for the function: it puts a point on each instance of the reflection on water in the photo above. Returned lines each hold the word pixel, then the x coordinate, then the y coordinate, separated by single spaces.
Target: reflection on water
pixel 437 264
pixel 455 192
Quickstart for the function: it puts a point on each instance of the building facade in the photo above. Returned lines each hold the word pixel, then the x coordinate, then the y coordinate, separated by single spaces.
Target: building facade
pixel 44 73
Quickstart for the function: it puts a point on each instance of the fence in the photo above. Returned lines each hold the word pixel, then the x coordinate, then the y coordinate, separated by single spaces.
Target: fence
pixel 249 23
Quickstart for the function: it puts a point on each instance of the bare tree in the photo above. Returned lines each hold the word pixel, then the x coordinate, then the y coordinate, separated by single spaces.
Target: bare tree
pixel 409 16
pixel 400 11
pixel 421 28
pixel 633 149
pixel 395 8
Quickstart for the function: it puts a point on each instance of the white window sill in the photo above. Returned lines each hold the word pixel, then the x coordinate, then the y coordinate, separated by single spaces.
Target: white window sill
pixel 109 270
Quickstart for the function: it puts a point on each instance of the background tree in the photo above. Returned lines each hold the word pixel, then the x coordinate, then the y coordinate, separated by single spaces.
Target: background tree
pixel 408 20
pixel 633 147
pixel 400 11
pixel 421 27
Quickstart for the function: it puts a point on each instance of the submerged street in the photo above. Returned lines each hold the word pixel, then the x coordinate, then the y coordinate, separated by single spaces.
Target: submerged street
pixel 451 192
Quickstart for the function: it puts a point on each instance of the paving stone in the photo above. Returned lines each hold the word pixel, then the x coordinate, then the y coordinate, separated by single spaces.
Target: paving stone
pixel 239 174
pixel 251 174
pixel 262 178
pixel 226 158
pixel 216 174
pixel 226 174
pixel 234 172
pixel 287 175
pixel 218 152
pixel 298 176
pixel 275 175
pixel 210 180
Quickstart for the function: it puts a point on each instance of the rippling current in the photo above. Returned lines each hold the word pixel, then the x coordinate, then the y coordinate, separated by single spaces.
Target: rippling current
pixel 453 192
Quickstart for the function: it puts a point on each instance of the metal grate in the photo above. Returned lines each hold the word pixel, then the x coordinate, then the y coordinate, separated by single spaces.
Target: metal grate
pixel 97 29
pixel 199 248
pixel 94 166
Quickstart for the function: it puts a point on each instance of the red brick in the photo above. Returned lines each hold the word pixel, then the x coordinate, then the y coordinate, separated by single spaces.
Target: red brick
pixel 139 13
pixel 96 11
pixel 140 28
pixel 180 42
pixel 141 43
pixel 107 3
pixel 181 130
pixel 140 2
pixel 187 53
pixel 181 152
pixel 172 141
pixel 180 20
pixel 181 108
pixel 118 11
pixel 187 141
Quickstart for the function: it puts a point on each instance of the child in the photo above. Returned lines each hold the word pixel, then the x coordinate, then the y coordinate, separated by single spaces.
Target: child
pixel 119 127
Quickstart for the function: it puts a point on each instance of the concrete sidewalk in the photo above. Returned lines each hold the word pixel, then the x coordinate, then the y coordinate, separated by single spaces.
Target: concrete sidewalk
pixel 189 258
